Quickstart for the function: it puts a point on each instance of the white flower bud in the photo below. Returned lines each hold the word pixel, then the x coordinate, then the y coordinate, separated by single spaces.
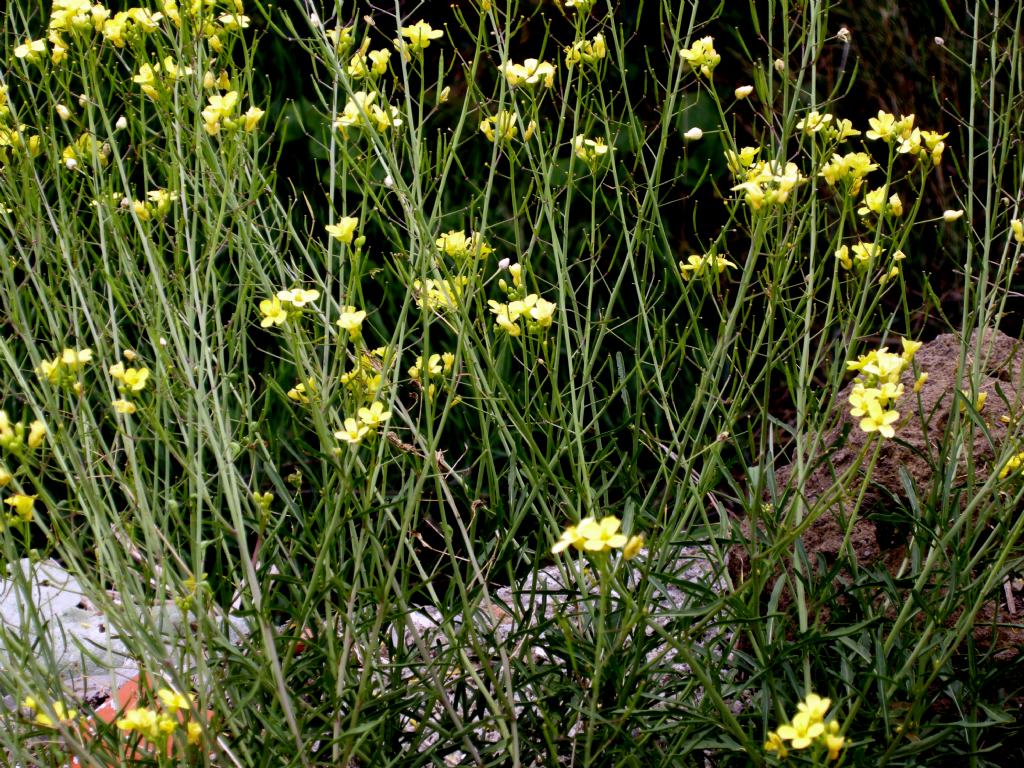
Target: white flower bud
pixel 693 134
pixel 122 123
pixel 504 263
pixel 71 163
pixel 743 91
pixel 62 112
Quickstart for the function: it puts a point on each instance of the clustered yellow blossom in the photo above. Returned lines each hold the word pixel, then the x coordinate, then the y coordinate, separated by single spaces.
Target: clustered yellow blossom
pixel 419 36
pixel 364 380
pixel 156 725
pixel 351 321
pixel 849 169
pixel 593 535
pixel 13 434
pixel 809 728
pixel 439 295
pixel 530 72
pixel 586 51
pixel 341 37
pixel 23 507
pixel 129 379
pixel 875 202
pixel 301 392
pixel 701 57
pixel 908 139
pixel 583 6
pixel 361 111
pixel 437 366
pixel 590 151
pixel 537 313
pixel 366 422
pixel 63 370
pixel 365 63
pixel 83 150
pixel 219 115
pixel 61 712
pixel 827 126
pixel 878 387
pixel 863 256
pixel 698 266
pixel 277 309
pixel 14 137
pixel 1013 466
pixel 462 246
pixel 504 126
pixel 128 28
pixel 156 205
pixel 765 182
pixel 152 78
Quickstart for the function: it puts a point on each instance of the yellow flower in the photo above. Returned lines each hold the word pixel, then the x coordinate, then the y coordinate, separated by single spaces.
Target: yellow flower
pixel 696 266
pixel 950 216
pixel 571 537
pixel 219 109
pixel 298 297
pixel 459 245
pixel 543 312
pixel 5 476
pixel 530 72
pixel 251 119
pixel 36 433
pixel 420 34
pixel 861 397
pixel 774 743
pixel 590 151
pixel 633 546
pixel 833 741
pixel 504 126
pixel 878 420
pixel 701 56
pixel 1017 226
pixel 63 714
pixel 143 721
pixel 298 393
pixel 373 416
pixel 875 202
pixel 882 127
pixel 351 320
pixel 195 733
pixel 135 379
pixel 30 50
pixel 599 536
pixel 379 61
pixel 74 359
pixel 1011 466
pixel 344 230
pixel 126 407
pixel 802 731
pixel 815 706
pixel 273 312
pixel 814 122
pixel 738 162
pixel 23 505
pixel 173 701
pixel 353 433
pixel 586 51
